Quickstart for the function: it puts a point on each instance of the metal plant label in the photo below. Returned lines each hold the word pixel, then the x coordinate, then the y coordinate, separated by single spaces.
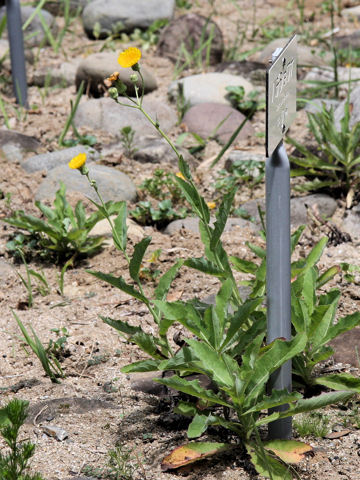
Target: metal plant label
pixel 280 95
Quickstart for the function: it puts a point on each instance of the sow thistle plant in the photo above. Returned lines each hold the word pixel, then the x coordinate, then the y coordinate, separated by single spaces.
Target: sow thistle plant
pixel 225 341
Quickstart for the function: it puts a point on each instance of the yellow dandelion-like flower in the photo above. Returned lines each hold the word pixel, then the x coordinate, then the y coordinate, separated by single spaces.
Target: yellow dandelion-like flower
pixel 110 80
pixel 78 161
pixel 180 175
pixel 129 57
pixel 211 205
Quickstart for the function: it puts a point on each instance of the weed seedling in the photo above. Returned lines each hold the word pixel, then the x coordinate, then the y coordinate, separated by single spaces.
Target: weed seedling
pixel 314 424
pixel 14 464
pixel 127 140
pixel 48 360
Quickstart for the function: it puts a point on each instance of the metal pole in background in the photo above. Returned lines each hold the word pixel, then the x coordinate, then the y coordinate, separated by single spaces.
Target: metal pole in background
pixel 280 112
pixel 17 55
pixel 278 275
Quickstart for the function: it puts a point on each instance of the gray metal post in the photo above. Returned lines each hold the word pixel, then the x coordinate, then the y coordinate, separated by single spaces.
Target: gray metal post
pixel 17 51
pixel 278 276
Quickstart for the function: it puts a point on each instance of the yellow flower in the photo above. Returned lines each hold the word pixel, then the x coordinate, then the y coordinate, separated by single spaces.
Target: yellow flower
pixel 129 57
pixel 211 205
pixel 180 175
pixel 78 161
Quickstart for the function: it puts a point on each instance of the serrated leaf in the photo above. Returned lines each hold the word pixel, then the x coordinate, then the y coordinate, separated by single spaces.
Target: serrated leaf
pixel 149 365
pixel 192 387
pixel 243 265
pixel 221 218
pixel 206 266
pixel 212 362
pixel 121 284
pixel 339 381
pixel 121 326
pixel 192 452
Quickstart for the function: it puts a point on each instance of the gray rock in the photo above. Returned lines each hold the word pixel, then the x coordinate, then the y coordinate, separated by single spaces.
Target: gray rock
pixel 255 72
pixel 124 16
pixel 351 41
pixel 307 56
pixel 56 7
pixel 351 222
pixel 208 87
pixel 326 206
pixel 192 224
pixel 5 51
pixel 190 32
pixel 346 347
pixel 113 184
pixel 351 13
pixel 327 75
pixel 14 145
pixel 157 150
pixel 50 160
pixel 64 75
pixel 204 119
pixel 24 142
pixel 105 114
pixel 34 34
pixel 316 106
pixel 355 111
pixel 95 68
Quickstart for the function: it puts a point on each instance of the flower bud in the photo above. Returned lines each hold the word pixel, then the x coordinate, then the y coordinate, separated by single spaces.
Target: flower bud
pixel 113 93
pixel 134 78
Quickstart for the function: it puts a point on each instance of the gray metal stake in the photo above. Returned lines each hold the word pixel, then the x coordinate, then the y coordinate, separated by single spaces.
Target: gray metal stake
pixel 17 55
pixel 278 276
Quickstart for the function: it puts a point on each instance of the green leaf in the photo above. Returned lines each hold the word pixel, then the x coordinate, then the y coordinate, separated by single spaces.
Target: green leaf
pixel 184 168
pixel 149 365
pixel 165 281
pixel 277 398
pixel 343 324
pixel 121 326
pixel 235 333
pixel 148 344
pixel 138 255
pixel 339 381
pixel 276 354
pixel 120 233
pixel 182 312
pixel 80 214
pixel 267 465
pixel 192 387
pixel 295 237
pixel 212 362
pixel 121 284
pixel 221 218
pixel 328 275
pixel 309 404
pixel 243 265
pixel 205 266
pixel 260 252
pixel 198 426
